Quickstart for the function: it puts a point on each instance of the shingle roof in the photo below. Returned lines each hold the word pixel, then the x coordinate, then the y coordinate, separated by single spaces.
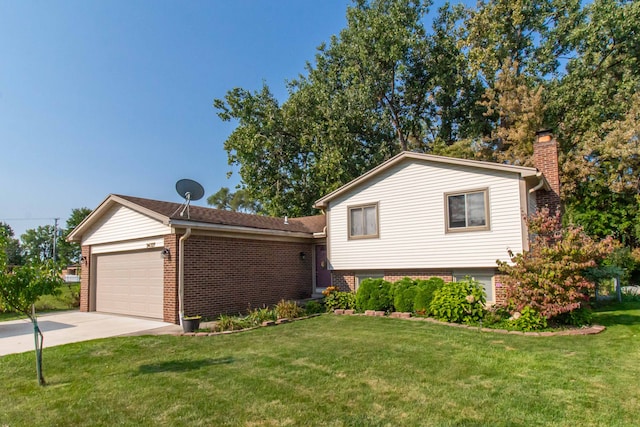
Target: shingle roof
pixel 171 210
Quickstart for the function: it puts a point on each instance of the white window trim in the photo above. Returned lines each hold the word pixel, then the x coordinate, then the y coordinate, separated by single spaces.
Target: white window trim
pixel 485 227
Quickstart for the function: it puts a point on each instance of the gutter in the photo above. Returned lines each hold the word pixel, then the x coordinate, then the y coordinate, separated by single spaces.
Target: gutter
pixel 540 184
pixel 181 273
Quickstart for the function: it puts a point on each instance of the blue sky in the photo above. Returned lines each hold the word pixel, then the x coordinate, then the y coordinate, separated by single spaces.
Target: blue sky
pixel 100 97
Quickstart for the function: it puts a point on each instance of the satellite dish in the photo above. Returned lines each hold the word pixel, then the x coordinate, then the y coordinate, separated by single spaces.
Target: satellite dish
pixel 189 190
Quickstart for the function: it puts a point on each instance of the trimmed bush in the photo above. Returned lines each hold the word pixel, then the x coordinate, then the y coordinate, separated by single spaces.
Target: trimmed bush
pixel 459 302
pixel 342 300
pixel 313 307
pixel 374 294
pixel 404 293
pixel 424 294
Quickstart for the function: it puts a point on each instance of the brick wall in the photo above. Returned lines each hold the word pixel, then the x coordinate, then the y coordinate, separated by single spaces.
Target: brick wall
pixel 225 275
pixel 84 278
pixel 346 280
pixel 545 158
pixel 501 297
pixel 171 307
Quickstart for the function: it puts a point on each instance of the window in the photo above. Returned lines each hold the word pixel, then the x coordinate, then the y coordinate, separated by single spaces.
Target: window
pixel 371 275
pixel 485 278
pixel 363 221
pixel 467 211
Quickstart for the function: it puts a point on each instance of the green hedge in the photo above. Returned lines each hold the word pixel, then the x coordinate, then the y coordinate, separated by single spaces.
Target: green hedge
pixel 374 294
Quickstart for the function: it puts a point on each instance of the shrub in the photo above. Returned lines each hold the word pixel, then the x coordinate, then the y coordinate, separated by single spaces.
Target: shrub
pixel 374 294
pixel 329 290
pixel 580 317
pixel 259 315
pixel 313 307
pixel 424 294
pixel 528 320
pixel 342 300
pixel 551 277
pixel 230 323
pixel 459 302
pixel 495 316
pixel 288 310
pixel 404 293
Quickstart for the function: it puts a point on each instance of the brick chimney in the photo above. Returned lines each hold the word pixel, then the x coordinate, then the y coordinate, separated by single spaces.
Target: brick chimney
pixel 545 158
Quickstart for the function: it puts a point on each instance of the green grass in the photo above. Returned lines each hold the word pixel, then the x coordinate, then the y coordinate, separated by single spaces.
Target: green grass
pixel 336 371
pixel 67 300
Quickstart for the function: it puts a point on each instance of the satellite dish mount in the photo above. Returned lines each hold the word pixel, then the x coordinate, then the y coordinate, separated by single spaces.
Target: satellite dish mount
pixel 189 190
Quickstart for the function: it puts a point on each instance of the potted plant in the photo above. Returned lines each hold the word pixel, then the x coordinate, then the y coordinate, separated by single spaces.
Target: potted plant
pixel 191 323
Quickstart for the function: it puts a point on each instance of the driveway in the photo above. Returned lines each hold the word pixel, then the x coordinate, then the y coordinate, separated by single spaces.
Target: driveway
pixel 16 336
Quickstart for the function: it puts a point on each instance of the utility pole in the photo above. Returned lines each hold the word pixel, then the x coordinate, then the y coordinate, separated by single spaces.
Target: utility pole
pixel 55 237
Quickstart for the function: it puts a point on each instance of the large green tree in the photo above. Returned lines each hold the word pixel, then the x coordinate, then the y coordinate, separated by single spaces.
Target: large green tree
pixel 68 253
pixel 12 248
pixel 477 84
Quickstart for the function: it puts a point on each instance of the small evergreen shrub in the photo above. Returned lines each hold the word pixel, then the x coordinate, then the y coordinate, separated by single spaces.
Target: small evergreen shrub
pixel 340 300
pixel 459 302
pixel 288 310
pixel 313 307
pixel 404 293
pixel 424 294
pixel 374 294
pixel 528 320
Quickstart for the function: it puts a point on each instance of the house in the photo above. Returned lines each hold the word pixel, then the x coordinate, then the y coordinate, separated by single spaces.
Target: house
pixel 422 216
pixel 141 258
pixel 415 215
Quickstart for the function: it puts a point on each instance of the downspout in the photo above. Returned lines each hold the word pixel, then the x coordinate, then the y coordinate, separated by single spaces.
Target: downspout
pixel 181 273
pixel 540 184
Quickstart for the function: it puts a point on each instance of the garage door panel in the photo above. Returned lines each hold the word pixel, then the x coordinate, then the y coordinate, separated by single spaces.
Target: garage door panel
pixel 130 283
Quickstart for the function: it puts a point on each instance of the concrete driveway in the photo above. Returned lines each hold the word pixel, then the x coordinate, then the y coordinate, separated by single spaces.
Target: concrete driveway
pixel 16 336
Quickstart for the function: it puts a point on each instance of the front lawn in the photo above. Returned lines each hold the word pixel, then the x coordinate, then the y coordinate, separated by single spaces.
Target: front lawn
pixel 336 371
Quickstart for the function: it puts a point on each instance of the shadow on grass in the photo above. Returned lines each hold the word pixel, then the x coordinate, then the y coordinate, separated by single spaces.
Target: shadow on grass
pixel 182 365
pixel 603 307
pixel 611 319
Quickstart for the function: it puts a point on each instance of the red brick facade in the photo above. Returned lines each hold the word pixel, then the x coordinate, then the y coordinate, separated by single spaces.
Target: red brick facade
pixel 346 280
pixel 227 275
pixel 545 158
pixel 171 314
pixel 85 274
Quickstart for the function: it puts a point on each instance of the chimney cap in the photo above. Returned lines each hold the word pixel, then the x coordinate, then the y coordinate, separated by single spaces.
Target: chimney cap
pixel 543 132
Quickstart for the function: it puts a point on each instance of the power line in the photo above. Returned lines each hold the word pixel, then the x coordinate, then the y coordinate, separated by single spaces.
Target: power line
pixel 27 219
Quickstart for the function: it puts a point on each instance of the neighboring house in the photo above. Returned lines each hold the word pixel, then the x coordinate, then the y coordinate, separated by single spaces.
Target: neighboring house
pixel 415 215
pixel 132 263
pixel 422 216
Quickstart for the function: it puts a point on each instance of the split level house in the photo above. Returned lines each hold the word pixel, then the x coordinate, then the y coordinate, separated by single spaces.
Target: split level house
pixel 415 215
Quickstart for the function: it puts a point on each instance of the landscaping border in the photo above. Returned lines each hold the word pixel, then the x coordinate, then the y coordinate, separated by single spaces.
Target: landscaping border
pixel 591 330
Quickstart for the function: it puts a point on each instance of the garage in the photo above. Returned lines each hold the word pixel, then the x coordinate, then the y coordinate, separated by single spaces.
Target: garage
pixel 130 283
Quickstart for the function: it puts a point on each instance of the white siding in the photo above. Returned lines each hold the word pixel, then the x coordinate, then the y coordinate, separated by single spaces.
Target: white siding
pixel 410 199
pixel 121 223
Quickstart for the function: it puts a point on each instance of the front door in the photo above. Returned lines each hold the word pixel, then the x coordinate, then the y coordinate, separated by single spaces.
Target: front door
pixel 323 275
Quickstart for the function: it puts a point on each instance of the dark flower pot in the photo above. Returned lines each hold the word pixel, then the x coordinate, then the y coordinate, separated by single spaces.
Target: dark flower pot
pixel 190 324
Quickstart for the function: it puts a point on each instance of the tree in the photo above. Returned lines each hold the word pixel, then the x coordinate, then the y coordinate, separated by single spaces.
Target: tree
pixel 37 243
pixel 552 278
pixel 234 201
pixel 13 251
pixel 20 288
pixel 68 253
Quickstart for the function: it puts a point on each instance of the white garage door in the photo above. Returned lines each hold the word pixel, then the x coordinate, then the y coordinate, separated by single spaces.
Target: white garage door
pixel 130 283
